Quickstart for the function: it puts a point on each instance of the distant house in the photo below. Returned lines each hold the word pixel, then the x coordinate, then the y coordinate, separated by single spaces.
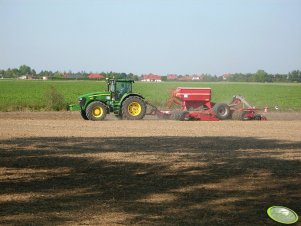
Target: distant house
pixel 226 76
pixel 172 77
pixel 45 78
pixel 96 76
pixel 151 78
pixel 23 77
pixel 196 78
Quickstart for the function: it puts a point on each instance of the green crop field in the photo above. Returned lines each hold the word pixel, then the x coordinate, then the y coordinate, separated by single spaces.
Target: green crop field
pixel 34 95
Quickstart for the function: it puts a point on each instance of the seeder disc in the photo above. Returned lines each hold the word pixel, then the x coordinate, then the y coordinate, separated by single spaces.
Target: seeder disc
pixel 282 214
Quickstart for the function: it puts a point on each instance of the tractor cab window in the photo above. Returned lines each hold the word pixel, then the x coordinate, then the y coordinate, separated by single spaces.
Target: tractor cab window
pixel 122 88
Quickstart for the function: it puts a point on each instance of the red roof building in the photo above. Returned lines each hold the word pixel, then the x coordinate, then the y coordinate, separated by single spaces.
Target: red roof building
pixel 95 76
pixel 172 77
pixel 151 78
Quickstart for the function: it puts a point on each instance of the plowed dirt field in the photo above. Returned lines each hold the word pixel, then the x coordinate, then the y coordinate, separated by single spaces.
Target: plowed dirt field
pixel 57 169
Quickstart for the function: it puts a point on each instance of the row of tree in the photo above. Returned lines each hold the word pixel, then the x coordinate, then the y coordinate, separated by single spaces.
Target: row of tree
pixel 262 76
pixel 259 76
pixel 25 70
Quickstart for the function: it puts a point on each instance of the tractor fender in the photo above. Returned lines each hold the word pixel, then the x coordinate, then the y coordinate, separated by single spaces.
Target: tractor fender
pixel 131 95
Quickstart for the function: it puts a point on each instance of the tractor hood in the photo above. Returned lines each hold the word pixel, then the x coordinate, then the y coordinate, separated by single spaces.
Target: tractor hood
pixel 99 96
pixel 94 95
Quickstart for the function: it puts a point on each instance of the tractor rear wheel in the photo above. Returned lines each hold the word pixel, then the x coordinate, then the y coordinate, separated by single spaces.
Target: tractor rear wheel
pixel 96 111
pixel 221 110
pixel 133 108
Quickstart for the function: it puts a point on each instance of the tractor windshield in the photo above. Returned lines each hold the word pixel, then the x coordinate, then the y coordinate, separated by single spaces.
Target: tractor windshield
pixel 124 87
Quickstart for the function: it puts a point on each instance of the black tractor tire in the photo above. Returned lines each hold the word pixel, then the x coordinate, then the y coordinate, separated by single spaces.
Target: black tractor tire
pixel 222 111
pixel 133 108
pixel 96 111
pixel 83 114
pixel 179 115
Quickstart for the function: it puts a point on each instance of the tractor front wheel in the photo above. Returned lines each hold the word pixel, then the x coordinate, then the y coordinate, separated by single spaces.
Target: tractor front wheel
pixel 83 114
pixel 133 108
pixel 96 111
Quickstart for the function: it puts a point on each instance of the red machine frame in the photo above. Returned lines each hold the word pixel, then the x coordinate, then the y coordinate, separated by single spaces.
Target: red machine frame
pixel 195 104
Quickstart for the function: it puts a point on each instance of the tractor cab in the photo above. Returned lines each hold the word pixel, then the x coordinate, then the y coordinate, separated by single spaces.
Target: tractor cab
pixel 118 88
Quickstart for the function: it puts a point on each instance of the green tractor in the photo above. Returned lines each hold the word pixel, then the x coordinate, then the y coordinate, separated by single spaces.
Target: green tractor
pixel 118 99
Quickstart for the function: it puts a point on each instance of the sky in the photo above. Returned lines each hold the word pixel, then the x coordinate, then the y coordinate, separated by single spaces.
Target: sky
pixel 152 36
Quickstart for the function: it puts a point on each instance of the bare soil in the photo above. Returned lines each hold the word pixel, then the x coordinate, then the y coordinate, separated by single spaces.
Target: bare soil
pixel 58 169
